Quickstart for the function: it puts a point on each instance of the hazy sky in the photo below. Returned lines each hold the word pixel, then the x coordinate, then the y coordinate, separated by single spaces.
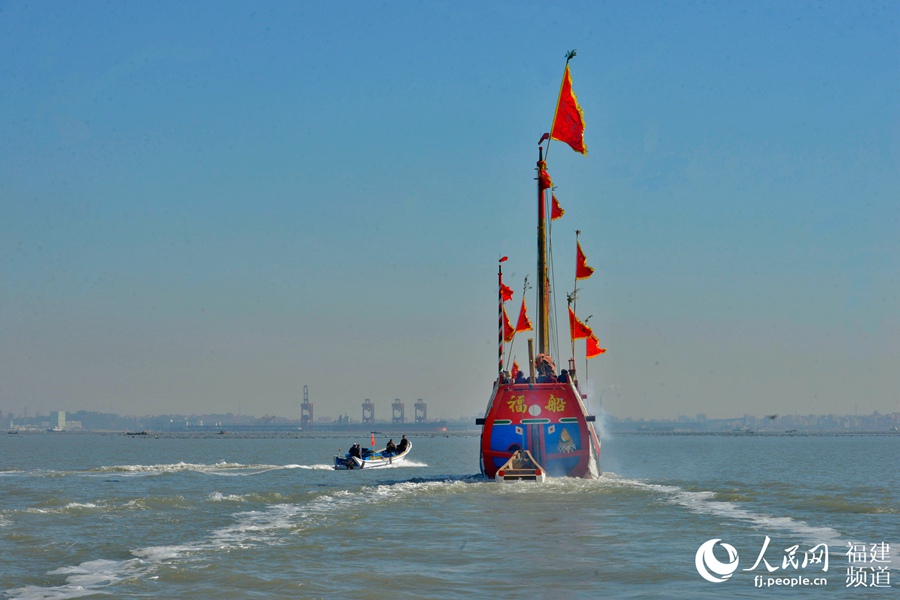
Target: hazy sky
pixel 205 206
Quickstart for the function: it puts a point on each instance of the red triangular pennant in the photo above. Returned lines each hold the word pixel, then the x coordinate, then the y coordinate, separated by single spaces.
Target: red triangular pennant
pixel 508 331
pixel 592 347
pixel 544 180
pixel 506 292
pixel 578 329
pixel 556 211
pixel 582 270
pixel 523 324
pixel 568 123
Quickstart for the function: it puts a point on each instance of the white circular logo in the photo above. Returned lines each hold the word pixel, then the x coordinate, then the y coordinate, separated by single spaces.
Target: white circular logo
pixel 711 568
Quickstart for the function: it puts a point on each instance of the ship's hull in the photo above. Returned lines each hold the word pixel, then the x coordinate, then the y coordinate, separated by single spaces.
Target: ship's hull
pixel 547 419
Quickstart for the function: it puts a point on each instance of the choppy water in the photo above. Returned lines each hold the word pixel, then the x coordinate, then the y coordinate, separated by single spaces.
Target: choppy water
pixel 266 517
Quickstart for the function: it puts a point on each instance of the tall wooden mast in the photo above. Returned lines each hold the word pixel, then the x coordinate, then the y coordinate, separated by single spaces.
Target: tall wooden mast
pixel 543 286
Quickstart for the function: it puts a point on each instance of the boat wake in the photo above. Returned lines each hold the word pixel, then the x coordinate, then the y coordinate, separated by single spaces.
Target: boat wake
pixel 250 528
pixel 404 464
pixel 270 525
pixel 221 468
pixel 708 503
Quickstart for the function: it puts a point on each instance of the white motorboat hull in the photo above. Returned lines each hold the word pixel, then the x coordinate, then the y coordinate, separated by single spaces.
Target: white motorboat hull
pixel 375 460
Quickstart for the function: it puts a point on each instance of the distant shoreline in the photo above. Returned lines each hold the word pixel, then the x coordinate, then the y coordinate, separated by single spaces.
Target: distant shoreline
pixel 259 433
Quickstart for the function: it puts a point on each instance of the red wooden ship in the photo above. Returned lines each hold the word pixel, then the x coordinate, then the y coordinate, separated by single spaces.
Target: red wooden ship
pixel 542 411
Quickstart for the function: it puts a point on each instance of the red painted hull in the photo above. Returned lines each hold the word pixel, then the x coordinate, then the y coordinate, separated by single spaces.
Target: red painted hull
pixel 547 419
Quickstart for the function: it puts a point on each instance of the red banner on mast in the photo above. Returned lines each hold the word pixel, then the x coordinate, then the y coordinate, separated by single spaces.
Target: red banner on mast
pixel 556 211
pixel 568 124
pixel 505 291
pixel 578 329
pixel 592 347
pixel 524 324
pixel 544 180
pixel 582 270
pixel 508 331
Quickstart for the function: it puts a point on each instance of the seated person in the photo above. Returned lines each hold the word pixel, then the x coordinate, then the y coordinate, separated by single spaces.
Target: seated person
pixel 391 447
pixel 403 445
pixel 545 368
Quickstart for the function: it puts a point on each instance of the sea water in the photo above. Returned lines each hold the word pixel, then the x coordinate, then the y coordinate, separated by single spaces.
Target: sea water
pixel 265 516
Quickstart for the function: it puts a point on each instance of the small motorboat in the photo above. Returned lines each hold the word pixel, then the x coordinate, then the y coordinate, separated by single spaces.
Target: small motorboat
pixel 521 466
pixel 371 459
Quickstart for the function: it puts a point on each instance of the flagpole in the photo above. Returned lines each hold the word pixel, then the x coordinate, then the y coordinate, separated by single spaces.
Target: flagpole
pixel 543 329
pixel 500 316
pixel 510 358
pixel 512 341
pixel 587 379
pixel 575 295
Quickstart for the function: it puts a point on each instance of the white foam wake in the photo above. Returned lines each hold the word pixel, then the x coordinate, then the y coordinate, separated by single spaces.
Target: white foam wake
pixel 250 528
pixel 704 502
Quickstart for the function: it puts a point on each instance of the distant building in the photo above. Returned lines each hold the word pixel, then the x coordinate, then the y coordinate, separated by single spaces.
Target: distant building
pixel 58 419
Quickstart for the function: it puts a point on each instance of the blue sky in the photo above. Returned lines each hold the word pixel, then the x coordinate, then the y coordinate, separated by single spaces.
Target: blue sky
pixel 208 205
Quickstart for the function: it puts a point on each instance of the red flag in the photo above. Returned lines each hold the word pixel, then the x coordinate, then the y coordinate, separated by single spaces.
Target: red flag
pixel 568 123
pixel 524 324
pixel 582 270
pixel 592 347
pixel 556 211
pixel 508 331
pixel 544 181
pixel 578 329
pixel 505 291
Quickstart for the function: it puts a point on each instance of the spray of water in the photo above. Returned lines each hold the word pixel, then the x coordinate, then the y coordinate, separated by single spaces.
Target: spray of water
pixel 608 463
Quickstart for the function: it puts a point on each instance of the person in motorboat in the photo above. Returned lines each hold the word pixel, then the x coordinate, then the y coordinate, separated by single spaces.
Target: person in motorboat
pixel 355 451
pixel 391 448
pixel 404 444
